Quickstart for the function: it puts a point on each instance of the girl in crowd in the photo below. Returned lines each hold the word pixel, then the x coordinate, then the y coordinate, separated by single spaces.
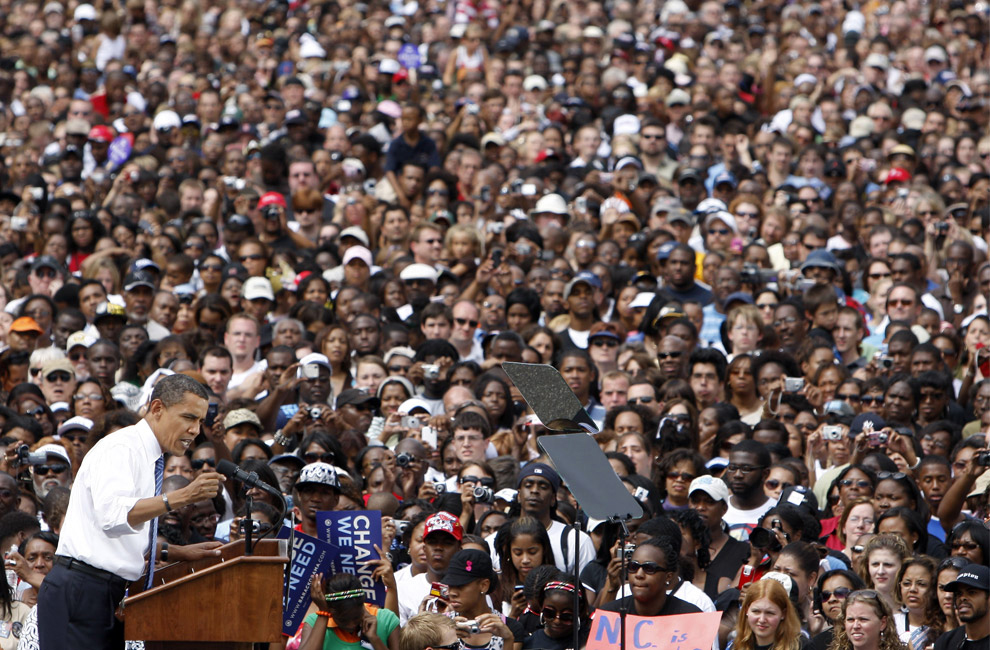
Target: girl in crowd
pixel 521 545
pixel 833 588
pixel 767 619
pixel 882 560
pixel 866 624
pixel 558 617
pixel 470 578
pixel 343 618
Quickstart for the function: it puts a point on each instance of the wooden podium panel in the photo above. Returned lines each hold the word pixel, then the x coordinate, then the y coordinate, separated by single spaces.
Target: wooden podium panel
pixel 230 601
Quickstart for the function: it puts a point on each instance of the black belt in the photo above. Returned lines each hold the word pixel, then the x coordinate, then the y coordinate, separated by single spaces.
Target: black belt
pixel 73 564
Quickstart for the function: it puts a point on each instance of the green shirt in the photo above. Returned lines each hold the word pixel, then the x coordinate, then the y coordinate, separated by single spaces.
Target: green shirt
pixel 387 622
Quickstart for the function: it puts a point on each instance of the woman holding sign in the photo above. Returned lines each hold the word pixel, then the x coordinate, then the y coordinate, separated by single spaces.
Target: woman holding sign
pixel 344 620
pixel 767 620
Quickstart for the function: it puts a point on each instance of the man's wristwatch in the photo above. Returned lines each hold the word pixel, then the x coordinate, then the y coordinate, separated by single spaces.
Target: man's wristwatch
pixel 168 506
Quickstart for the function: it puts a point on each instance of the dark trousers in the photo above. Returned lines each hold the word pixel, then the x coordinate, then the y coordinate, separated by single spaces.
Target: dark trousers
pixel 76 611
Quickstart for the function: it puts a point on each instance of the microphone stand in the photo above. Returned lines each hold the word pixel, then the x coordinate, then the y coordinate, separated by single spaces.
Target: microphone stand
pixel 623 609
pixel 248 524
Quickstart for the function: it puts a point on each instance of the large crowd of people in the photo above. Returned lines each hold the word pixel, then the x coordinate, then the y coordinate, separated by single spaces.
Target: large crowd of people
pixel 751 236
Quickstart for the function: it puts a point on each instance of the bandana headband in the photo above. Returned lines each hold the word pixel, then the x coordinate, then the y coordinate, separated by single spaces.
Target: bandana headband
pixel 345 595
pixel 563 586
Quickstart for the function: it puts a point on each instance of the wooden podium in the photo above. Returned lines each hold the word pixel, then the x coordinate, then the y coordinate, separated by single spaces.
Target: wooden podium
pixel 227 602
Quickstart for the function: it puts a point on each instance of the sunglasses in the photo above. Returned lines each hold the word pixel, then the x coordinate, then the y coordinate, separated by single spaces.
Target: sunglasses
pixel 651 568
pixel 683 476
pixel 900 303
pixel 897 476
pixel 773 484
pixel 848 482
pixel 93 397
pixel 75 356
pixel 840 593
pixel 36 411
pixel 669 355
pixel 847 398
pixel 252 258
pixel 719 231
pixel 478 480
pixel 875 399
pixel 456 645
pixel 466 321
pixel 211 267
pixel 641 400
pixel 45 470
pixel 549 614
pixel 968 546
pixel 198 463
pixel 436 192
pixel 315 456
pixel 58 376
pixel 73 437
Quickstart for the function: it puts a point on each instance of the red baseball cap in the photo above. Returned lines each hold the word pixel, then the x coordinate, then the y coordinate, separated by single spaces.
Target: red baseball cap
pixel 444 522
pixel 101 133
pixel 271 198
pixel 401 75
pixel 898 174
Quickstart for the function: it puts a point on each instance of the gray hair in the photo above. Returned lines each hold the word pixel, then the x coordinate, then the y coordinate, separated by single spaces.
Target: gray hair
pixel 297 324
pixel 172 389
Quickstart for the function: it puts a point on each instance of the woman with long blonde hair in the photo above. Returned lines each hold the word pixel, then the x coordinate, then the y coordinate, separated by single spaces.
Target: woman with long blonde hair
pixel 767 619
pixel 866 623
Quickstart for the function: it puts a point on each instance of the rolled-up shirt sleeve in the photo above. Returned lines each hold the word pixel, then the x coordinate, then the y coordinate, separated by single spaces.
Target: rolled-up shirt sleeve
pixel 118 489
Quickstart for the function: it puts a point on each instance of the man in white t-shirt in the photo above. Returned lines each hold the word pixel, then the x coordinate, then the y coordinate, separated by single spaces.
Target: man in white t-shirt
pixel 442 535
pixel 749 466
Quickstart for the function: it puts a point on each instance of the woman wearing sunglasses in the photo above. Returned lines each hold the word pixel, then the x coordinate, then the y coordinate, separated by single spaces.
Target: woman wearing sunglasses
pixel 652 571
pixel 767 619
pixel 469 579
pixel 866 623
pixel 833 588
pixel 558 617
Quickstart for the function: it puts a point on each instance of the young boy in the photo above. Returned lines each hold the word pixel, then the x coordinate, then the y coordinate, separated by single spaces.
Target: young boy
pixel 821 307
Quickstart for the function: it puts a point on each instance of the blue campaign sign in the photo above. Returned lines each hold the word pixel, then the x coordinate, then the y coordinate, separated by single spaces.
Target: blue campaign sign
pixel 309 556
pixel 120 151
pixel 409 56
pixel 352 536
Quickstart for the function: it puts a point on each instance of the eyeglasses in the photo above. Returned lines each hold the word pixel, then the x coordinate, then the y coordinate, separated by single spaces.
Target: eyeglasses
pixel 44 470
pixel 604 342
pixel 900 303
pixel 677 354
pixel 868 400
pixel 74 356
pixel 252 258
pixel 437 192
pixel 848 482
pixel 211 267
pixel 968 546
pixel 73 437
pixel 651 568
pixel 773 484
pixel 198 463
pixel 847 397
pixel 745 469
pixel 747 215
pixel 897 476
pixel 768 305
pixel 646 399
pixel 93 397
pixel 470 322
pixel 549 614
pixel 719 231
pixel 840 593
pixel 682 476
pixel 36 411
pixel 879 276
pixel 866 521
pixel 58 376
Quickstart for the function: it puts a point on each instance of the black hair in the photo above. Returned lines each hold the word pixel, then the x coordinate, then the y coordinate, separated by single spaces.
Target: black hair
pixel 692 521
pixel 977 531
pixel 856 582
pixel 752 447
pixel 710 356
pixel 913 521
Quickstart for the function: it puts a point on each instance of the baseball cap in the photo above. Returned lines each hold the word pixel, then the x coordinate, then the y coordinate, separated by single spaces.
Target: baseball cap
pixel 665 250
pixel 76 423
pixel 552 203
pixel 241 416
pixel 469 565
pixel 166 120
pixel 689 173
pixel 318 474
pixel 877 60
pixel 257 288
pixel 45 261
pixel 101 133
pixel 725 177
pixel 724 217
pixel 541 470
pixel 799 495
pixel 357 233
pixel 712 486
pixel 971 575
pixel 356 397
pixel 856 427
pixel 738 296
pixel 271 198
pixel 418 272
pixel 26 324
pixel 138 279
pixel 821 258
pixel 677 96
pixel 358 253
pixel 897 175
pixel 642 299
pixel 55 365
pixel 55 450
pixel 315 359
pixel 586 277
pixel 111 309
pixel 444 522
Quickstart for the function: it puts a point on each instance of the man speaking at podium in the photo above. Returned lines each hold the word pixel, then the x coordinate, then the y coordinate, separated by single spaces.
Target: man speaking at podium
pixel 111 521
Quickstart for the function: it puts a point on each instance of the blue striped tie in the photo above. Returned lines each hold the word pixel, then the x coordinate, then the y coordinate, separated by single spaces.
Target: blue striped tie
pixel 159 478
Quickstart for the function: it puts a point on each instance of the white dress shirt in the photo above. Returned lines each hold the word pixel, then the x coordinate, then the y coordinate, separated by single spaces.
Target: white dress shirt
pixel 117 473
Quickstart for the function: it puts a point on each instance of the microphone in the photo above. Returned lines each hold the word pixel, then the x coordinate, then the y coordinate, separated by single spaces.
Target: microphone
pixel 230 470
